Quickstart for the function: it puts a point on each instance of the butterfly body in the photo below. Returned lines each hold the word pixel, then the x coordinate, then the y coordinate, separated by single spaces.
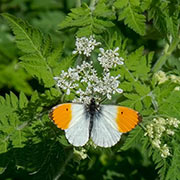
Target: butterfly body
pixel 104 124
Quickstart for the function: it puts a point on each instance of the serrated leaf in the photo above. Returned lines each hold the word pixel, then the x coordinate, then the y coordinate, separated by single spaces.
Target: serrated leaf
pixel 22 100
pixel 173 171
pixel 131 15
pixel 66 63
pixel 102 10
pixel 133 138
pixel 31 42
pixel 89 22
pixel 138 106
pixel 132 96
pixel 11 126
pixel 141 89
pixel 14 100
pixel 121 3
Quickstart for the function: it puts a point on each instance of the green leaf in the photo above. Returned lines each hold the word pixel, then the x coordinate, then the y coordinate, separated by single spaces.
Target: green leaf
pixel 141 89
pixel 170 103
pixel 133 138
pixel 89 22
pixel 132 15
pixel 30 41
pixel 11 129
pixel 23 101
pixel 10 74
pixel 173 171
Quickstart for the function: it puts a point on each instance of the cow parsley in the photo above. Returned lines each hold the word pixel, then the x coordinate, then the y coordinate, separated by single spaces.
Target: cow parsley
pixel 159 128
pixel 84 81
pixel 86 84
pixel 85 45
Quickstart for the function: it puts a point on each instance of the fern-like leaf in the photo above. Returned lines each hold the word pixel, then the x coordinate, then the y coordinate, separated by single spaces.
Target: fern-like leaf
pixel 31 42
pixel 173 171
pixel 89 22
pixel 131 14
pixel 133 138
pixel 11 126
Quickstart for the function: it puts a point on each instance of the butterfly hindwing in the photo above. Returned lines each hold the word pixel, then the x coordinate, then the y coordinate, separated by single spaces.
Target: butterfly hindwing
pixel 110 122
pixel 73 119
pixel 105 131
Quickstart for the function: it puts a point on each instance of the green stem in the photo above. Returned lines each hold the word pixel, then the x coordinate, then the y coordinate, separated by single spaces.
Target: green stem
pixel 167 52
pixel 78 3
pixel 92 4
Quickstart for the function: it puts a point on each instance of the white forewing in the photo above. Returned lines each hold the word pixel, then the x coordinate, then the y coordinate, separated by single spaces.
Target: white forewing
pixel 78 130
pixel 105 132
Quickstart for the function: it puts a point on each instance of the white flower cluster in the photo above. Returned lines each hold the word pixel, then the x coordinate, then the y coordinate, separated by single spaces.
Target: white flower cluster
pixel 85 83
pixel 158 129
pixel 162 77
pixel 80 154
pixel 174 78
pixel 109 58
pixel 85 45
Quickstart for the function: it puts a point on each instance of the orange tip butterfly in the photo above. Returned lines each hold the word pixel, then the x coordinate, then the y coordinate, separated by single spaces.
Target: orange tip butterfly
pixel 104 124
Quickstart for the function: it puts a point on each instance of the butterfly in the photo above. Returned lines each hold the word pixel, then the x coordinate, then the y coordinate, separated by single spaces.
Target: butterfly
pixel 104 124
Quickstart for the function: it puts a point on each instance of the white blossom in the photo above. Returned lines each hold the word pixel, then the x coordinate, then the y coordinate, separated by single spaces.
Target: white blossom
pixel 149 131
pixel 86 83
pixel 173 122
pixel 177 88
pixel 161 77
pixel 174 78
pixel 82 153
pixel 85 45
pixel 159 128
pixel 109 58
pixel 156 143
pixel 165 151
pixel 170 132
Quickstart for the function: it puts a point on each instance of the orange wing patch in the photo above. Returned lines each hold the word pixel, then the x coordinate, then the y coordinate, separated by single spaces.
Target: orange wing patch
pixel 61 115
pixel 127 119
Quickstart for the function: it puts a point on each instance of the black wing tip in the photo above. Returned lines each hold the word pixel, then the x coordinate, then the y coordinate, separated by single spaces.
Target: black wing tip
pixel 51 115
pixel 139 118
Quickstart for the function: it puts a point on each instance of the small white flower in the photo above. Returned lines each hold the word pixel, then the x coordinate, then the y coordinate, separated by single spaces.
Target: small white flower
pixel 174 78
pixel 85 45
pixel 82 153
pixel 173 122
pixel 161 77
pixel 109 58
pixel 177 88
pixel 156 143
pixel 158 129
pixel 170 132
pixel 86 83
pixel 165 151
pixel 149 131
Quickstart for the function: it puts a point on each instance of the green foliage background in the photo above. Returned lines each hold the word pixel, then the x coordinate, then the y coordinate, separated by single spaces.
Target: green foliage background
pixel 36 41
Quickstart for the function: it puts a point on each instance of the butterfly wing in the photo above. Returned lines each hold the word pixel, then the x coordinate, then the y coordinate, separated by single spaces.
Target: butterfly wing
pixel 110 122
pixel 127 119
pixel 73 119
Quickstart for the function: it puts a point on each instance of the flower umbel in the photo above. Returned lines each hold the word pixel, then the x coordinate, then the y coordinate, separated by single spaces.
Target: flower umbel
pixel 85 83
pixel 85 45
pixel 109 58
pixel 158 129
